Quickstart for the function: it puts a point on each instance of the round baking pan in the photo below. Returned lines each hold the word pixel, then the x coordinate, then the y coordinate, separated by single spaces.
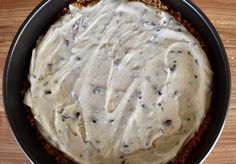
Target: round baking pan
pixel 18 60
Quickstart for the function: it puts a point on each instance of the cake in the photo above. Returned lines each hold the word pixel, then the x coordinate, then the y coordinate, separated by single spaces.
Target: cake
pixel 119 82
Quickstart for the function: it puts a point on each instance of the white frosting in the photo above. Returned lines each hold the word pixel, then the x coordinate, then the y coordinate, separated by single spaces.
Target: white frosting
pixel 118 81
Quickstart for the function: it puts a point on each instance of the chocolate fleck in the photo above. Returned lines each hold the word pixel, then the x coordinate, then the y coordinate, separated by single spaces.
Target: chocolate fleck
pixel 94 120
pixel 60 111
pixel 67 42
pixel 172 69
pixel 78 58
pixel 96 90
pixel 117 62
pixel 179 30
pixel 175 93
pixel 167 122
pixel 153 24
pixel 48 92
pixel 50 64
pixel 125 146
pixel 111 120
pixel 77 114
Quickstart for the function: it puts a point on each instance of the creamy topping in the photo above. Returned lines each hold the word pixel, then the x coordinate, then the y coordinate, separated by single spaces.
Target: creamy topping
pixel 118 82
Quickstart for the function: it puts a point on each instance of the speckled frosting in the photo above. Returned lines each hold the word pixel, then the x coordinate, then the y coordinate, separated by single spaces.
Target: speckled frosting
pixel 117 82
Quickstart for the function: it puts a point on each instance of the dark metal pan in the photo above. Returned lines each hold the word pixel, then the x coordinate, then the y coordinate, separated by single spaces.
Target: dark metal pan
pixel 17 66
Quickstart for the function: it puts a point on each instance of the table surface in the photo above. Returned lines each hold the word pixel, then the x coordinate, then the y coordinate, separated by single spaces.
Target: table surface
pixel 221 13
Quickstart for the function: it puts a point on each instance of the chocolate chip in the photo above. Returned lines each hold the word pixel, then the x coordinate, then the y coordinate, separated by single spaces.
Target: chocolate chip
pixel 143 105
pixel 158 29
pixel 175 93
pixel 60 111
pixel 123 162
pixel 96 90
pixel 172 69
pixel 175 61
pixel 159 104
pixel 159 92
pixel 77 114
pixel 188 119
pixel 48 92
pixel 179 52
pixel 41 78
pixel 196 61
pixel 117 62
pixel 67 42
pixel 111 120
pixel 94 120
pixel 179 30
pixel 172 51
pixel 167 122
pixel 195 76
pixel 50 66
pixel 121 157
pixel 125 146
pixel 153 24
pixel 78 58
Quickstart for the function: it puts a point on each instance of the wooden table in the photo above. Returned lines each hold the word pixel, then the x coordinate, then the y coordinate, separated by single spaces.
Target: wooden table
pixel 221 13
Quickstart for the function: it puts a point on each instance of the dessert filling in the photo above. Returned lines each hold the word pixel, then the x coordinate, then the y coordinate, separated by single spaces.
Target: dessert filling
pixel 118 82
